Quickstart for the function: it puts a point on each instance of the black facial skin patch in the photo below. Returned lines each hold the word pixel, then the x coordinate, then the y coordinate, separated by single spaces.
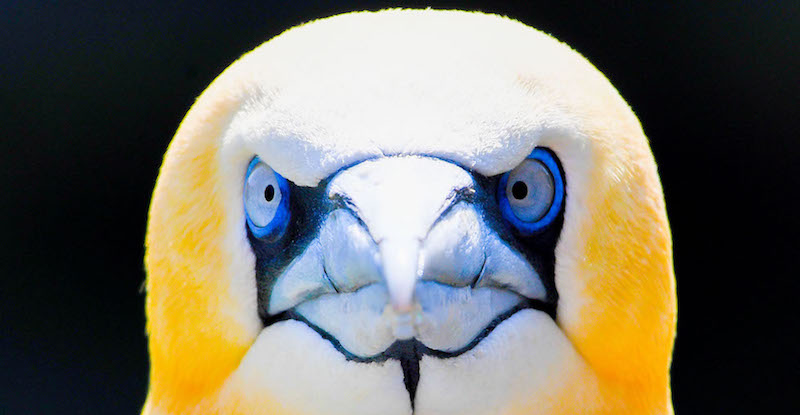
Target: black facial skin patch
pixel 310 206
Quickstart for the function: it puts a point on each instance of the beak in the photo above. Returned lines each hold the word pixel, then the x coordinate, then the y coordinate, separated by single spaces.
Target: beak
pixel 399 199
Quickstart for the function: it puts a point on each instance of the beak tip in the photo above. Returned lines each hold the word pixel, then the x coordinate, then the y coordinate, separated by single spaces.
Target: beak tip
pixel 401 299
pixel 403 321
pixel 402 308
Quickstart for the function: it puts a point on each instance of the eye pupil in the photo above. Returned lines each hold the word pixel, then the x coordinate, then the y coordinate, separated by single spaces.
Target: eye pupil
pixel 519 190
pixel 269 193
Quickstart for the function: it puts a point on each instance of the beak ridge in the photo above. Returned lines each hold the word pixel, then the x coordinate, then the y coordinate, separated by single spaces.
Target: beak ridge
pixel 400 266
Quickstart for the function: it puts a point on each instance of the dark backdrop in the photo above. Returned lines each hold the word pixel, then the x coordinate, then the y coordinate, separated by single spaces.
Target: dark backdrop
pixel 90 96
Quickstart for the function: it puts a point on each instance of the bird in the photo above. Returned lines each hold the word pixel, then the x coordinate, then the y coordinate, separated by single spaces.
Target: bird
pixel 409 212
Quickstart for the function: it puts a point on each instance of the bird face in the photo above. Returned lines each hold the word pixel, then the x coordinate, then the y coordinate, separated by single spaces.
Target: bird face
pixel 400 257
pixel 459 221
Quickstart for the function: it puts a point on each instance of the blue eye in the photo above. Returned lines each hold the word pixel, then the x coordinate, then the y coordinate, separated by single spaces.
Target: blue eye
pixel 266 201
pixel 531 195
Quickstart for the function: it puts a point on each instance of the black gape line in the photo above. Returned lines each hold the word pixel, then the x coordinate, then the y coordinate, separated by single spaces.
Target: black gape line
pixel 410 352
pixel 309 207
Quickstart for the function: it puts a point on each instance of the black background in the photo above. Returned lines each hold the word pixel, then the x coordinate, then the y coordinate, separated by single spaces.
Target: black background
pixel 90 96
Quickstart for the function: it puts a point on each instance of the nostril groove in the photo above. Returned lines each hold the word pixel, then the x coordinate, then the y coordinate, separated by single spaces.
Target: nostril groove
pixel 463 194
pixel 479 277
pixel 328 278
